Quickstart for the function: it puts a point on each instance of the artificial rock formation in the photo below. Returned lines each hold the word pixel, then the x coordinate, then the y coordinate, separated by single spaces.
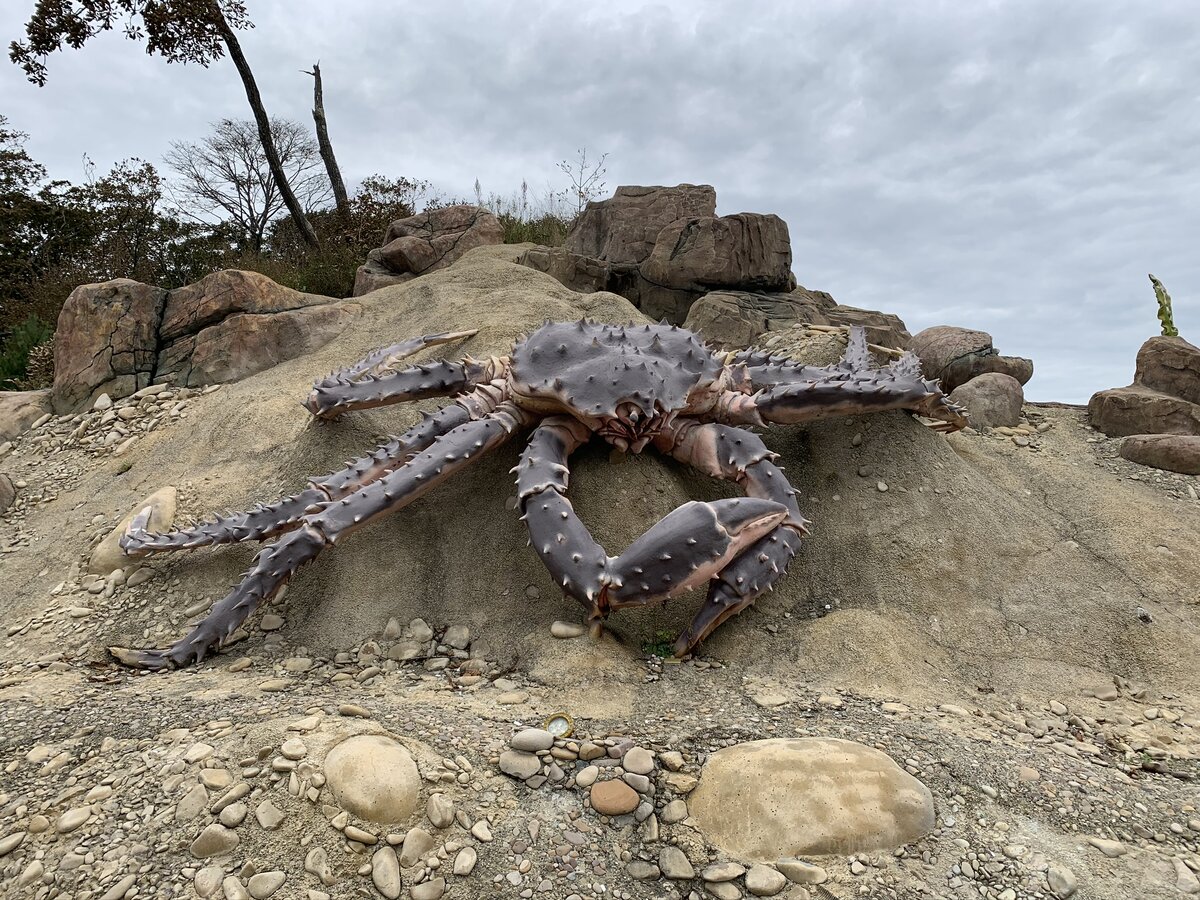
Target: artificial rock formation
pixel 956 355
pixel 120 336
pixel 741 318
pixel 1173 452
pixel 991 399
pixel 20 409
pixel 1164 397
pixel 663 247
pixel 426 242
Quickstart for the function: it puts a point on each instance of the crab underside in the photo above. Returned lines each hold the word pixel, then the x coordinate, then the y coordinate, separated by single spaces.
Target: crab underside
pixel 634 386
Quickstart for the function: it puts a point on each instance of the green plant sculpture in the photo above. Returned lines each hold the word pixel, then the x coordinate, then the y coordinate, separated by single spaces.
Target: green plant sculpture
pixel 1164 309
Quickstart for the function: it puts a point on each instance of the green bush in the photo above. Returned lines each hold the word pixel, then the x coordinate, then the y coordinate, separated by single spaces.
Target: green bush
pixel 15 349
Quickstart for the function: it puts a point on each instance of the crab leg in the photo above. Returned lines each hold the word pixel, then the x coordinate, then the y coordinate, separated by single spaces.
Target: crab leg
pixel 384 359
pixel 276 563
pixel 268 520
pixel 683 550
pixel 331 398
pixel 790 393
pixel 741 457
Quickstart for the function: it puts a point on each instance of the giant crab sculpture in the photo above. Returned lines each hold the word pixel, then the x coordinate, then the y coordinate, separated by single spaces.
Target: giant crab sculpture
pixel 631 385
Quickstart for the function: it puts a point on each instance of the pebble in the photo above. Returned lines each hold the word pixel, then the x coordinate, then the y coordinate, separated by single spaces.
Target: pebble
pixel 675 811
pixel 264 884
pixel 208 880
pixel 316 862
pixel 269 815
pixel 726 871
pixel 385 872
pixel 429 890
pixel 567 630
pixel 723 890
pixel 639 761
pixel 1111 849
pixel 801 872
pixel 481 831
pixel 458 637
pixel 1062 881
pixel 440 810
pixel 354 833
pixel 192 804
pixel 587 776
pixel 120 889
pixel 519 764
pixel 417 843
pixel 763 881
pixel 293 748
pixel 353 710
pixel 214 840
pixel 639 783
pixel 233 889
pixel 643 871
pixel 674 863
pixel 464 863
pixel 32 872
pixel 73 818
pixel 614 798
pixel 532 739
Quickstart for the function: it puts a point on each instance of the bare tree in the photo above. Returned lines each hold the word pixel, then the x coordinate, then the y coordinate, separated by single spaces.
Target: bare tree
pixel 585 179
pixel 331 167
pixel 182 31
pixel 227 175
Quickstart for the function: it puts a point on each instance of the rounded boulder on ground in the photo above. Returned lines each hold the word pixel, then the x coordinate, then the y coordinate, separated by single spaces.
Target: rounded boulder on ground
pixel 785 797
pixel 374 777
pixel 991 399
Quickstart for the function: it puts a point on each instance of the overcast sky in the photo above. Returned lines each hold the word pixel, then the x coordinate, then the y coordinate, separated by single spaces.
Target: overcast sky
pixel 1017 167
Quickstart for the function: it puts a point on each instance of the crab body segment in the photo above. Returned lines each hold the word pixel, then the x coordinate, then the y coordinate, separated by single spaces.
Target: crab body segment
pixel 634 386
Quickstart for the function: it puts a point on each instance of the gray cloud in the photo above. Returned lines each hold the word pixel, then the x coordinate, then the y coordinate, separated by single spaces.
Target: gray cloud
pixel 1015 166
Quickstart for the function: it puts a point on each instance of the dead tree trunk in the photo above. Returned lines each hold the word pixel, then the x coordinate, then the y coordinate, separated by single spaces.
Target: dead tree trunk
pixel 331 166
pixel 264 130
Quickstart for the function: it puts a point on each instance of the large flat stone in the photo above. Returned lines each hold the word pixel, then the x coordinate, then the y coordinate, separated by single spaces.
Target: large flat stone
pixel 1173 452
pixel 1141 410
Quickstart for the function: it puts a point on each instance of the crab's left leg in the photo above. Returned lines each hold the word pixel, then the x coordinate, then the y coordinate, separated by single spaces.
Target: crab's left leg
pixel 789 393
pixel 278 561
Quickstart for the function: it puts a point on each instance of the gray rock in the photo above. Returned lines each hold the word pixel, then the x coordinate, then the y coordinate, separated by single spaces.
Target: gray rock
pixel 532 739
pixel 264 884
pixel 642 870
pixel 519 764
pixel 1062 881
pixel 991 400
pixel 638 760
pixel 214 840
pixel 440 810
pixel 763 881
pixel 675 864
pixel 385 872
pixel 464 862
pixel 417 843
pixel 428 890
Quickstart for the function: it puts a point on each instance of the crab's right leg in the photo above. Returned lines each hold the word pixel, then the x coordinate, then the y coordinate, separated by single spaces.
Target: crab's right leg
pixel 683 550
pixel 268 520
pixel 377 362
pixel 278 561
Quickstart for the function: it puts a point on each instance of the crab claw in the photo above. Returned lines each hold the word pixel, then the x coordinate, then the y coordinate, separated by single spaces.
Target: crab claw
pixel 135 533
pixel 688 547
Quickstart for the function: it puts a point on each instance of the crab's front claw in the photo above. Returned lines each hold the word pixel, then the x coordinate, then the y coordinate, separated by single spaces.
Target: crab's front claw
pixel 688 547
pixel 135 534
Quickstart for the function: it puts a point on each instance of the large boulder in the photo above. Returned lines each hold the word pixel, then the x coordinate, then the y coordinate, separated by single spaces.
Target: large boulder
pixel 784 797
pixel 991 399
pixel 1173 452
pixel 106 341
pixel 231 324
pixel 663 247
pixel 119 336
pixel 425 243
pixel 1170 365
pixel 955 355
pixel 1137 409
pixel 741 318
pixel 625 227
pixel 20 409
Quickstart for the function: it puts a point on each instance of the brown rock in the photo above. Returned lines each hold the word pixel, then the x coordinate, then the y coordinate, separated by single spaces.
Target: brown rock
pixel 108 556
pixel 624 228
pixel 991 399
pixel 426 242
pixel 8 494
pixel 20 409
pixel 1140 410
pixel 105 341
pixel 1170 365
pixel 787 797
pixel 955 355
pixel 1173 452
pixel 750 251
pixel 613 798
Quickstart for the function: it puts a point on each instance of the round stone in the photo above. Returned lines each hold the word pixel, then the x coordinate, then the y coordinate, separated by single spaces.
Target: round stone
pixel 613 798
pixel 215 840
pixel 787 797
pixel 385 873
pixel 264 884
pixel 294 749
pixel 72 819
pixel 763 881
pixel 532 739
pixel 374 777
pixel 638 760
